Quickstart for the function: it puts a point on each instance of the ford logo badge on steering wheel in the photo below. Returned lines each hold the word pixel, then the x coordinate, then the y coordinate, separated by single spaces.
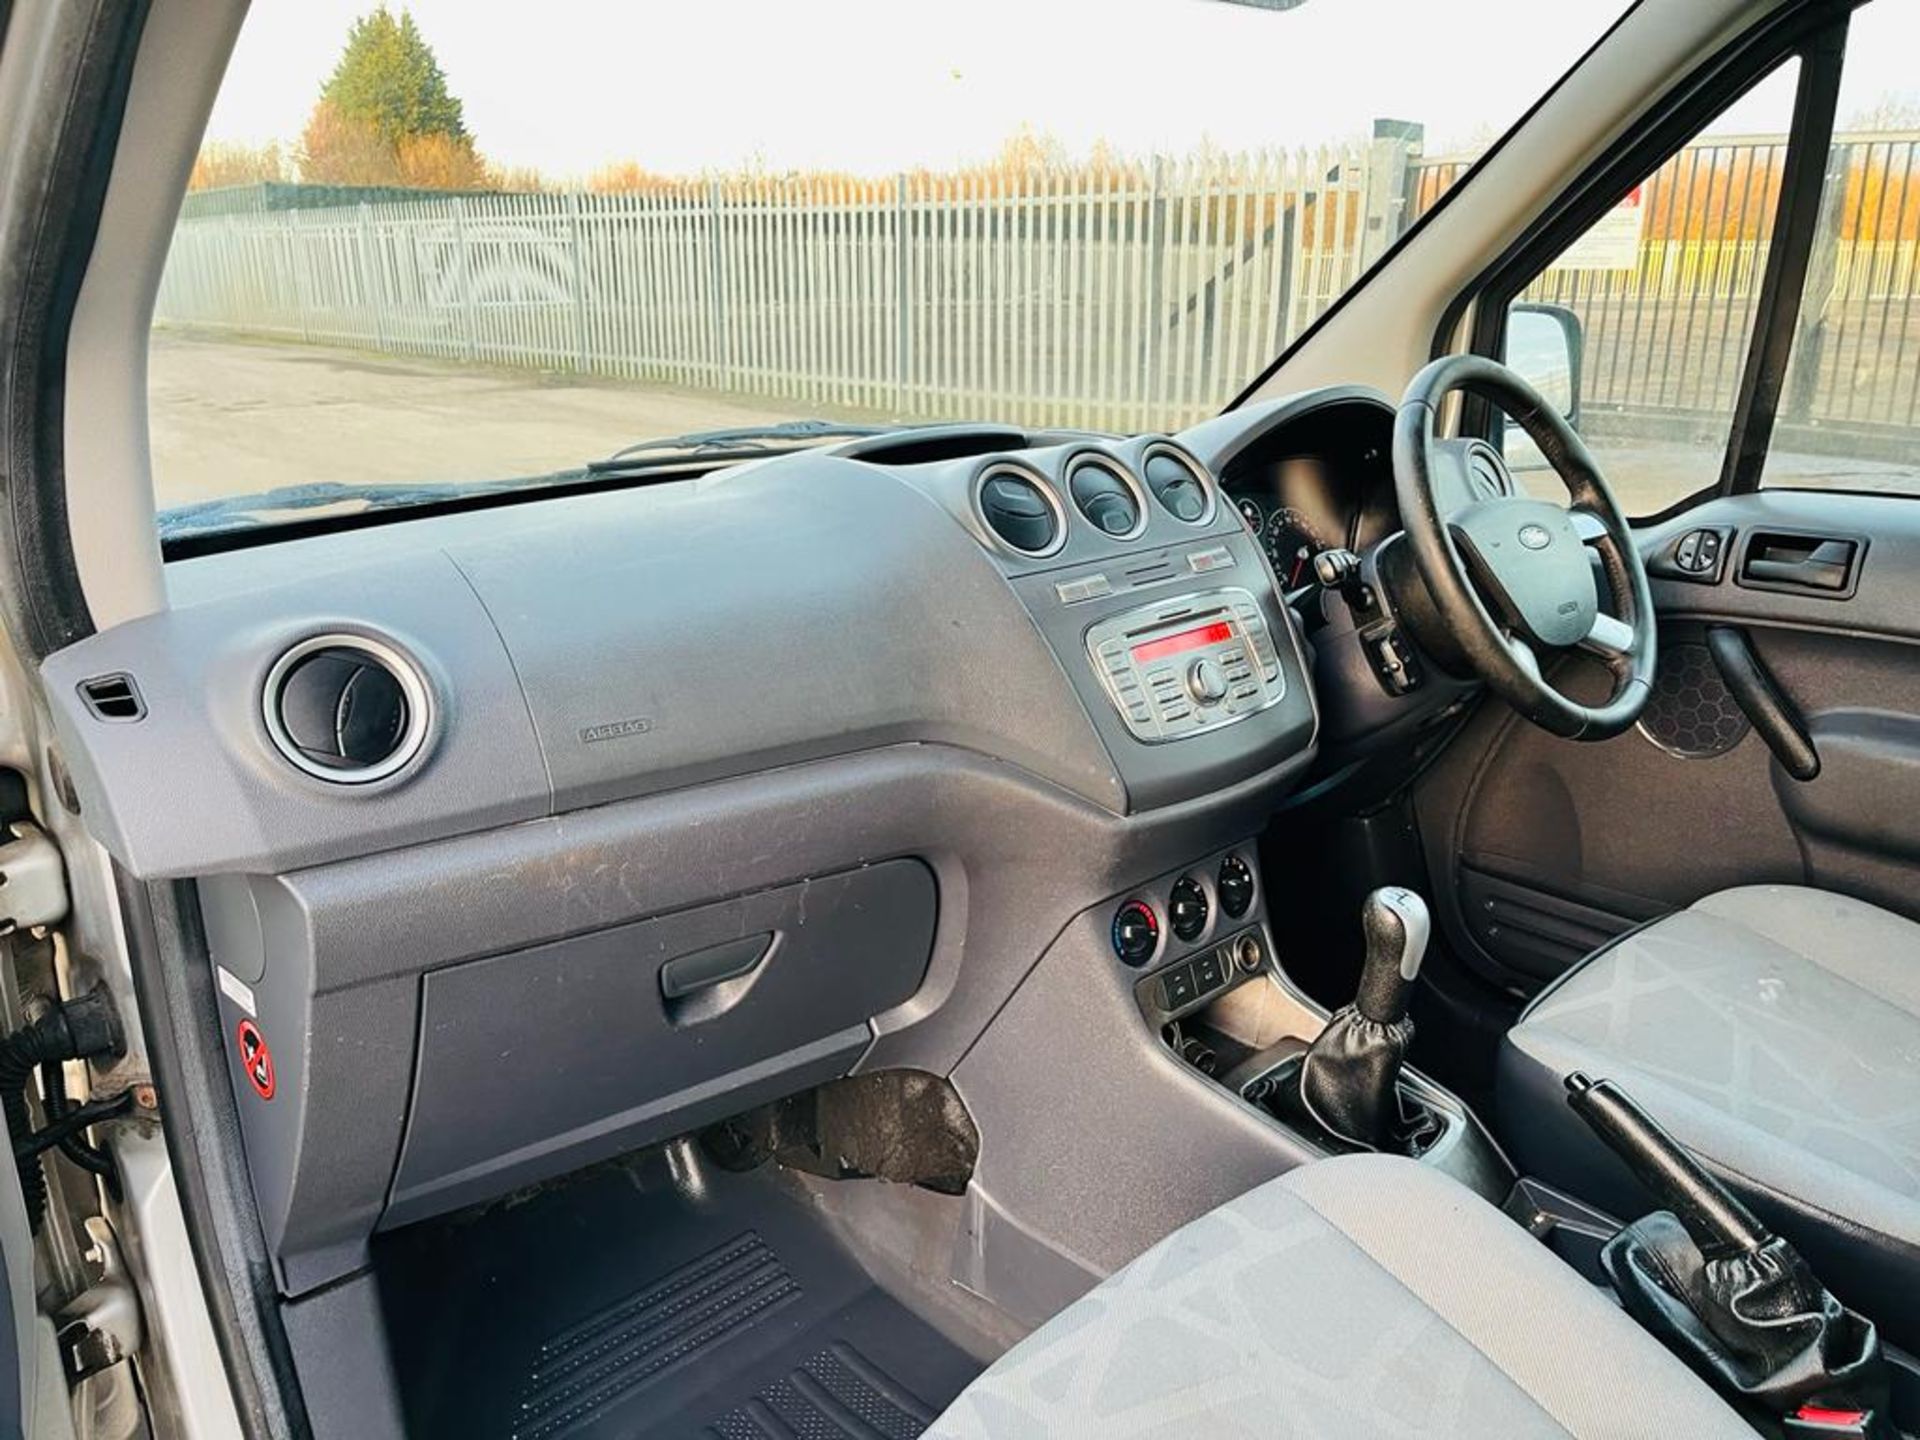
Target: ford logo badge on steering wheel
pixel 1535 537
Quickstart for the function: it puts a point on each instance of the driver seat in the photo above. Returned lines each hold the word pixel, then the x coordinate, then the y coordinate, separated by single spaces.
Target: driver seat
pixel 1775 1031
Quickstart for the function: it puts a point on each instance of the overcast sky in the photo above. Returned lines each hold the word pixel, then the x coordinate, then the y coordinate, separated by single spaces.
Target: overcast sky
pixel 878 85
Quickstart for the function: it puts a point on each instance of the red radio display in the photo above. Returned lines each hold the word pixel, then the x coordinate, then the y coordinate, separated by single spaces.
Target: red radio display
pixel 1219 632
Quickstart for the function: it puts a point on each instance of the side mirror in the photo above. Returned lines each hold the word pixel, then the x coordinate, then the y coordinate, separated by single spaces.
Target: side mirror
pixel 1545 344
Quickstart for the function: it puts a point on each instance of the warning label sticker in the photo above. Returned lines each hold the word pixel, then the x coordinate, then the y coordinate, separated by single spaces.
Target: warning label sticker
pixel 255 1058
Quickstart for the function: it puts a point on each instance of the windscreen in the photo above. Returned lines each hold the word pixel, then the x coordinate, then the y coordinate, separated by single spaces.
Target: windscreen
pixel 425 249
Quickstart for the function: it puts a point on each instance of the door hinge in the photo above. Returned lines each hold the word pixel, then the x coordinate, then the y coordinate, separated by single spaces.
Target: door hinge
pixel 102 1326
pixel 33 879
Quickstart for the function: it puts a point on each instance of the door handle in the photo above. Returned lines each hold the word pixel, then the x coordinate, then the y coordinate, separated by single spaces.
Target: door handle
pixel 1787 561
pixel 1761 700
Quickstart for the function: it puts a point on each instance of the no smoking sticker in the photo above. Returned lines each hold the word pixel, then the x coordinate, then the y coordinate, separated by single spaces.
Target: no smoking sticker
pixel 255 1058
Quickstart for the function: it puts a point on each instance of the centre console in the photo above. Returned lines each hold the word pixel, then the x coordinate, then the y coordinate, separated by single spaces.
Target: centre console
pixel 1227 1010
pixel 1158 604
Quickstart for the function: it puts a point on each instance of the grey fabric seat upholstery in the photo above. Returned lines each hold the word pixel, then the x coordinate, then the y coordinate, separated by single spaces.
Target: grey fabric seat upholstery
pixel 1773 1029
pixel 1360 1296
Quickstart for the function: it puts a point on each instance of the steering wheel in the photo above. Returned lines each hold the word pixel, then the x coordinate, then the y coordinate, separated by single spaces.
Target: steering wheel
pixel 1511 578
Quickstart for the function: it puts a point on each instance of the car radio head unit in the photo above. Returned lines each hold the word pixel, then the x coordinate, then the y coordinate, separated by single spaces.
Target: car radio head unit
pixel 1186 666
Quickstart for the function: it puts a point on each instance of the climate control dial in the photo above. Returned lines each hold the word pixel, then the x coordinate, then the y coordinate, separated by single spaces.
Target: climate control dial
pixel 1136 932
pixel 1187 908
pixel 1236 886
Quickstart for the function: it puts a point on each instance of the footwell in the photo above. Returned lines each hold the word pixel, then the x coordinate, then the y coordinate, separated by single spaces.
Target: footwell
pixel 614 1308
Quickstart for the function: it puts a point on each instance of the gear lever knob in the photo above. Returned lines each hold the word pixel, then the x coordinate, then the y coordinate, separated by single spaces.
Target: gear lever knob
pixel 1397 926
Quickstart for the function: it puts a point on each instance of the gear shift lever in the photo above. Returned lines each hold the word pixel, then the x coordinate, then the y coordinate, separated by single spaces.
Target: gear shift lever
pixel 1347 1079
pixel 1395 922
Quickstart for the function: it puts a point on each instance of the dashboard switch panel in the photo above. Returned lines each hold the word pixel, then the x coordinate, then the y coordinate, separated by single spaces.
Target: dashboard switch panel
pixel 1187 666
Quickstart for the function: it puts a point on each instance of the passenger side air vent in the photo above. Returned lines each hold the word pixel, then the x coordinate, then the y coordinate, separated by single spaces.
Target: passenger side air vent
pixel 112 697
pixel 1018 507
pixel 1106 498
pixel 1179 485
pixel 346 708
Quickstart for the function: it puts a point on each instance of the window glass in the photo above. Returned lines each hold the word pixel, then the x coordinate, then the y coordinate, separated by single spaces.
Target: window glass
pixel 1653 307
pixel 1849 415
pixel 423 247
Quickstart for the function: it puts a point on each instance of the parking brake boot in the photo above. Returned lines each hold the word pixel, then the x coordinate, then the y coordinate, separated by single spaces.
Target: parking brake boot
pixel 1735 1301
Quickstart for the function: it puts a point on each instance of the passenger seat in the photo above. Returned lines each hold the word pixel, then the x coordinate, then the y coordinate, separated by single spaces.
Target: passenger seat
pixel 1359 1296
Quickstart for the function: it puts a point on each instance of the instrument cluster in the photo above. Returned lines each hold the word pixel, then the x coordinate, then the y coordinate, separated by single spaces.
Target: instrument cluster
pixel 1297 508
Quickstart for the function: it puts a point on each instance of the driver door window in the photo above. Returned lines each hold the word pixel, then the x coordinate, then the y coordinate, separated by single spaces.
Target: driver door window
pixel 1639 329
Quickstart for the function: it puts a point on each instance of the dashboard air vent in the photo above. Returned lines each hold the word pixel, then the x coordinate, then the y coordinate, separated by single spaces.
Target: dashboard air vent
pixel 1178 485
pixel 346 708
pixel 113 697
pixel 1020 510
pixel 1106 498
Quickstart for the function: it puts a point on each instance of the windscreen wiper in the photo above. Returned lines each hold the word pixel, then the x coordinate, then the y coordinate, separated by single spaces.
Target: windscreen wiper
pixel 277 506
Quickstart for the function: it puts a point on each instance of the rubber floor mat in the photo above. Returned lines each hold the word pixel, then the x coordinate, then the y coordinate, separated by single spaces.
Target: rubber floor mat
pixel 620 1307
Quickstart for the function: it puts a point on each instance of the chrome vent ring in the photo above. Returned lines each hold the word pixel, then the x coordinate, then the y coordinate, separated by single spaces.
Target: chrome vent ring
pixel 346 708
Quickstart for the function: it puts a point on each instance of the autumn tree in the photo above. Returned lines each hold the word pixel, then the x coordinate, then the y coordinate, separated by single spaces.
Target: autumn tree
pixel 221 163
pixel 336 149
pixel 1026 150
pixel 626 177
pixel 386 115
pixel 1894 110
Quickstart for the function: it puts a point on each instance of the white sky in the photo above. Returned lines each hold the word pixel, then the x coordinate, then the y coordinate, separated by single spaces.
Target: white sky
pixel 878 85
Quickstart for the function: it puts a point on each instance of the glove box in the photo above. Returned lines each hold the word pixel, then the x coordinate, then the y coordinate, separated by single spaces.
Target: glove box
pixel 543 1060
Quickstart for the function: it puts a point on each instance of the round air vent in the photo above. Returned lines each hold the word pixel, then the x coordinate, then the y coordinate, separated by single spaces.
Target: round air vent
pixel 1107 498
pixel 1179 485
pixel 1019 509
pixel 346 708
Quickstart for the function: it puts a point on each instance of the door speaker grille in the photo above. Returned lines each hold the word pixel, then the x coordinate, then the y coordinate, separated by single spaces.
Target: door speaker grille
pixel 1691 713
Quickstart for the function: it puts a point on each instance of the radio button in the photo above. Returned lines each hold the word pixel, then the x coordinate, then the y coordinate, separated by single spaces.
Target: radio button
pixel 1087 587
pixel 1206 682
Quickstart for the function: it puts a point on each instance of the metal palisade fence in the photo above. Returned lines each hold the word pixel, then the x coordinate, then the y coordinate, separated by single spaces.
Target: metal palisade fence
pixel 1121 296
pixel 1124 296
pixel 1668 319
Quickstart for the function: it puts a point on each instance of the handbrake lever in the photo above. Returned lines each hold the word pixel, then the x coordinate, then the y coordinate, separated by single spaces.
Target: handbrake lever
pixel 1714 1218
pixel 1735 1301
